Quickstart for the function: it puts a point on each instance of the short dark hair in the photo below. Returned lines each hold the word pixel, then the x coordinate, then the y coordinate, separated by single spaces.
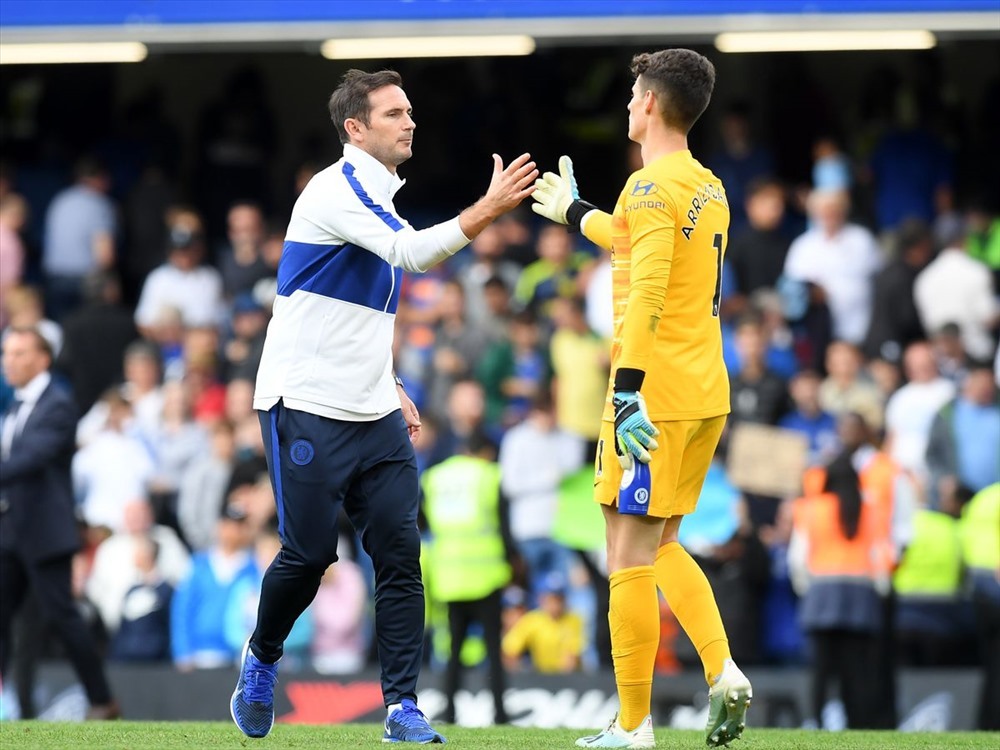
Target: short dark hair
pixel 807 374
pixel 479 443
pixel 912 232
pixel 682 81
pixel 750 319
pixel 543 401
pixel 350 99
pixel 98 285
pixel 762 184
pixel 524 318
pixel 89 166
pixel 496 282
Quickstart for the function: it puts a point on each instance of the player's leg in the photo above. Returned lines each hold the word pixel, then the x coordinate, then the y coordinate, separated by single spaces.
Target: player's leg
pixel 686 588
pixel 634 617
pixel 633 610
pixel 382 504
pixel 678 576
pixel 309 459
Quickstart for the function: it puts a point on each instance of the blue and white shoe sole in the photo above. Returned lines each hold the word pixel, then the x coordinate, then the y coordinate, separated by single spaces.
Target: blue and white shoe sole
pixel 394 740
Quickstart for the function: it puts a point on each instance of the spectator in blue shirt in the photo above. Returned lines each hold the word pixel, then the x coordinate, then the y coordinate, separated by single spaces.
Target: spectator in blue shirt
pixel 808 418
pixel 80 228
pixel 965 436
pixel 198 612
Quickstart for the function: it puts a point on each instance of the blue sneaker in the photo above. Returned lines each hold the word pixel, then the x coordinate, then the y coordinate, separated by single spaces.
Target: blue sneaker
pixel 252 706
pixel 408 724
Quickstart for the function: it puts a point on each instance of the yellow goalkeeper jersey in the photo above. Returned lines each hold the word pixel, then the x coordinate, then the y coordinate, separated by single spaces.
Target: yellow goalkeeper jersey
pixel 667 237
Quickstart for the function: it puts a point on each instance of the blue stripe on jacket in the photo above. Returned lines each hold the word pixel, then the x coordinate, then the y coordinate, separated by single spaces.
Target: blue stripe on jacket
pixel 344 272
pixel 391 221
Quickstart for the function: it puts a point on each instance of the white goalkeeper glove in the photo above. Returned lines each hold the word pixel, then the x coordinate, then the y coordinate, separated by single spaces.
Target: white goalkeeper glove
pixel 557 198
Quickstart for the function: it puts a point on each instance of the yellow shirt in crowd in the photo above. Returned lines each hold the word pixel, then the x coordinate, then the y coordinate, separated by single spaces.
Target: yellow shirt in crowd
pixel 552 643
pixel 579 362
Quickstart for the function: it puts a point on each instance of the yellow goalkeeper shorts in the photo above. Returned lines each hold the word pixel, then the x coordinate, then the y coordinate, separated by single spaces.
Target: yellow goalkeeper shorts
pixel 677 468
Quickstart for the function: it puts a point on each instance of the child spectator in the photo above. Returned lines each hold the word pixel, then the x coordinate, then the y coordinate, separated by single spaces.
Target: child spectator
pixel 808 418
pixel 241 608
pixel 144 631
pixel 197 613
pixel 758 394
pixel 513 372
pixel 551 635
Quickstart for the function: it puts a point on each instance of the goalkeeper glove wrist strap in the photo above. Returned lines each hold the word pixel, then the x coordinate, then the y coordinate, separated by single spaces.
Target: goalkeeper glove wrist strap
pixel 576 211
pixel 629 379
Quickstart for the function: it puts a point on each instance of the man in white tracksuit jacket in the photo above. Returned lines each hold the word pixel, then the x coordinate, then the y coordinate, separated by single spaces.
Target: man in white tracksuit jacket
pixel 334 417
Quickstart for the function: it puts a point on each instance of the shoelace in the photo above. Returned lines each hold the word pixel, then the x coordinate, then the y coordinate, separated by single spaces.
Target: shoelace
pixel 411 717
pixel 259 684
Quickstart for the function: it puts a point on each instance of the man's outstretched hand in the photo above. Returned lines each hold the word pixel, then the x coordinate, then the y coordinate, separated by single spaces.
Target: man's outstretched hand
pixel 511 184
pixel 508 187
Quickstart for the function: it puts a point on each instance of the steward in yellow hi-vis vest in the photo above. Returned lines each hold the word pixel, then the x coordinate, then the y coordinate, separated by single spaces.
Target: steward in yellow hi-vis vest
pixel 468 556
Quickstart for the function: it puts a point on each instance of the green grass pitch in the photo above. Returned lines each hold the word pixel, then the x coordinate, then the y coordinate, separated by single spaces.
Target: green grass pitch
pixel 131 735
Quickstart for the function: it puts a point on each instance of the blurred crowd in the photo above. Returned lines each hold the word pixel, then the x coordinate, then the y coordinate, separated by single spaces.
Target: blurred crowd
pixel 860 311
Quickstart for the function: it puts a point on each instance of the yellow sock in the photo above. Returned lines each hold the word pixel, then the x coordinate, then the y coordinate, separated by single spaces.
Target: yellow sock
pixel 690 597
pixel 634 616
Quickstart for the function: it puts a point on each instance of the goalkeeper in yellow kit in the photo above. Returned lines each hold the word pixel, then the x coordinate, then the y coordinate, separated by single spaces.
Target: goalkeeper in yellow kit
pixel 669 391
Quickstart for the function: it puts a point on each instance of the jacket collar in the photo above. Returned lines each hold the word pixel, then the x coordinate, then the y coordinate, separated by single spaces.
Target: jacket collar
pixel 373 172
pixel 34 388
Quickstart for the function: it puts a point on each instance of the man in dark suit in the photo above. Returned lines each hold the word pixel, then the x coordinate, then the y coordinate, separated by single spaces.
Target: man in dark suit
pixel 38 530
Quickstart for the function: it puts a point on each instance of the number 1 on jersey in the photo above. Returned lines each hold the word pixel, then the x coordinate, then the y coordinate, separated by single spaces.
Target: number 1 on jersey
pixel 717 297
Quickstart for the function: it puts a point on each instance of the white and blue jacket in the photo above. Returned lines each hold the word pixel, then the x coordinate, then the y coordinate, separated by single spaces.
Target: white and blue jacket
pixel 328 349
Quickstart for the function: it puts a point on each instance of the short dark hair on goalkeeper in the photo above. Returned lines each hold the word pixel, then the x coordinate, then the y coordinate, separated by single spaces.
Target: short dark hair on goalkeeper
pixel 682 81
pixel 350 99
